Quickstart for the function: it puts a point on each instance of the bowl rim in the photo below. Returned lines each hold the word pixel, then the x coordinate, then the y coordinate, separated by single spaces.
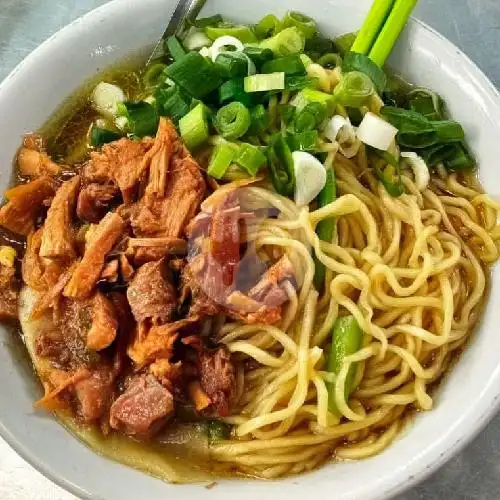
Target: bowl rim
pixel 475 421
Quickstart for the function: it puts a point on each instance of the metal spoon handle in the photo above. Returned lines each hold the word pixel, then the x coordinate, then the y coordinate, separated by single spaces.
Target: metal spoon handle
pixel 185 10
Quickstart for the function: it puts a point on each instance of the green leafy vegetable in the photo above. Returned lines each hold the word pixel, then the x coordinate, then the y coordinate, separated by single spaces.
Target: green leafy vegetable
pixel 426 103
pixel 100 136
pixel 142 118
pixel 233 121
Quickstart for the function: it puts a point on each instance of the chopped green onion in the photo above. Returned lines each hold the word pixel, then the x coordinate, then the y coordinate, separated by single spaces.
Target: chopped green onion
pixel 194 127
pixel 376 132
pixel 243 33
pixel 372 26
pixel 154 75
pixel 286 112
pixel 390 175
pixel 280 165
pixel 391 30
pixel 233 121
pixel 106 98
pixel 259 120
pixel 318 46
pixel 290 65
pixel 195 39
pixel 233 90
pixel 310 117
pixel 359 62
pixel 175 48
pixel 196 74
pixel 100 136
pixel 304 141
pixel 347 339
pixel 286 42
pixel 258 55
pixel 251 158
pixel 232 64
pixel 344 43
pixel 307 95
pixel 304 23
pixel 222 157
pixel 207 21
pixel 142 118
pixel 310 177
pixel 267 26
pixel 330 60
pixel 265 82
pixel 172 102
pixel 354 89
pixel 217 431
pixel 325 228
pixel 294 83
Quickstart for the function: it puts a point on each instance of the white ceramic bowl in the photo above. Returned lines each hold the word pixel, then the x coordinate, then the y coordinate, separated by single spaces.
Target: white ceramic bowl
pixel 465 401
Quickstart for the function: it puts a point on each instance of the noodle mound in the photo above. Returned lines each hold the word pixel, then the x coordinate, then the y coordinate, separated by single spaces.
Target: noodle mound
pixel 412 271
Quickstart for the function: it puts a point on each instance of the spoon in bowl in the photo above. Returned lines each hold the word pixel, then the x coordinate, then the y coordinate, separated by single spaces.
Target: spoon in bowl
pixel 186 10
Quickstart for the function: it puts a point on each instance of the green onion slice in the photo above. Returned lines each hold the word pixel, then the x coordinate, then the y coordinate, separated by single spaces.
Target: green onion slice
pixel 233 121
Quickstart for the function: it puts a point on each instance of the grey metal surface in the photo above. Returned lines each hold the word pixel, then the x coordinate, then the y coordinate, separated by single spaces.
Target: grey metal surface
pixel 474 25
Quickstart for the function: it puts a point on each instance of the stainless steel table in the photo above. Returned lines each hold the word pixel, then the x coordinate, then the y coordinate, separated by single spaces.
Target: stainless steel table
pixel 474 25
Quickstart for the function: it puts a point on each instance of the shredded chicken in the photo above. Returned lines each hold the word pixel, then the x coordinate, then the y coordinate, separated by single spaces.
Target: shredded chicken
pixel 58 241
pixel 104 323
pixel 25 203
pixel 33 163
pixel 90 267
pixel 121 162
pixel 94 201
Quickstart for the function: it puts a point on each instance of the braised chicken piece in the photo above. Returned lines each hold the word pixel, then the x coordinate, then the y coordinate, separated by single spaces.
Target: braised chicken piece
pixel 121 163
pixel 33 161
pixel 25 204
pixel 9 287
pixel 90 267
pixel 174 191
pixel 58 241
pixel 144 407
pixel 94 200
pixel 104 323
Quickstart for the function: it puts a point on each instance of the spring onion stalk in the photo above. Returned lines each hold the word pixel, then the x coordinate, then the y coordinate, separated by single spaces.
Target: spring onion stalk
pixel 376 132
pixel 232 64
pixel 222 157
pixel 419 167
pixel 267 26
pixel 359 62
pixel 281 166
pixel 290 65
pixel 304 23
pixel 100 136
pixel 233 120
pixel 391 30
pixel 372 26
pixel 264 82
pixel 142 118
pixel 354 89
pixel 233 90
pixel 310 177
pixel 224 43
pixel 154 75
pixel 347 339
pixel 286 42
pixel 251 158
pixel 175 48
pixel 196 74
pixel 325 228
pixel 105 99
pixel 243 33
pixel 194 127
